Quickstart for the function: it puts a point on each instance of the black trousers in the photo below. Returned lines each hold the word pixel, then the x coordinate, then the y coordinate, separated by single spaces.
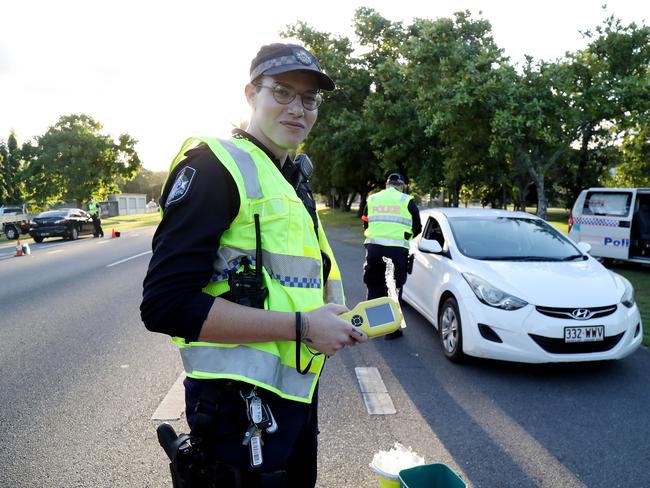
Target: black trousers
pixel 292 448
pixel 97 224
pixel 374 269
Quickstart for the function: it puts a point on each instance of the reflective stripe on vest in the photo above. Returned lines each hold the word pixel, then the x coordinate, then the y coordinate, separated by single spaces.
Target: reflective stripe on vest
pixel 299 271
pixel 385 241
pixel 231 362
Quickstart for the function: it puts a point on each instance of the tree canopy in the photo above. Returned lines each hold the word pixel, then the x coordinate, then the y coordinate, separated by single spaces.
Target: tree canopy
pixel 440 102
pixel 75 161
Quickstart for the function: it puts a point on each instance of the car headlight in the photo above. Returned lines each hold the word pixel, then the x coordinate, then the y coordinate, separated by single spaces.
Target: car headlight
pixel 628 295
pixel 491 295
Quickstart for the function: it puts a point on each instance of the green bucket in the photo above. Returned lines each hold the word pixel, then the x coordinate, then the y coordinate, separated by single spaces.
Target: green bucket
pixel 430 476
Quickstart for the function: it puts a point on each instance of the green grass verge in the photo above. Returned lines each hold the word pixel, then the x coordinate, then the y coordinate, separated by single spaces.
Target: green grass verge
pixel 122 222
pixel 638 275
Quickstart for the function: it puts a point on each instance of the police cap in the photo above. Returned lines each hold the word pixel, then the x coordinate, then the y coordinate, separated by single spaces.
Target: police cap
pixel 277 58
pixel 396 179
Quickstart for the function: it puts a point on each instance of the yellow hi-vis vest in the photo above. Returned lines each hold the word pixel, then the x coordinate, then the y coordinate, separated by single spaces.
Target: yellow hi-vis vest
pixel 389 218
pixel 292 272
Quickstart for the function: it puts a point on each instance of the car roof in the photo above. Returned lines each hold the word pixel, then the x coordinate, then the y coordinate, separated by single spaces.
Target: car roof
pixel 476 212
pixel 596 188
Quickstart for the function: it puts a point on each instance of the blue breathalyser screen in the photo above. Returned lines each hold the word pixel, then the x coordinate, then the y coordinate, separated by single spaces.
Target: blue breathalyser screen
pixel 380 315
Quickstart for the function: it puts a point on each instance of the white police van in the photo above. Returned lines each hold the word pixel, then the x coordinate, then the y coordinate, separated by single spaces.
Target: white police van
pixel 615 222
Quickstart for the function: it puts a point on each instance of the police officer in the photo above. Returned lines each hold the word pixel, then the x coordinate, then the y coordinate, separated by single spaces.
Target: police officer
pixel 95 213
pixel 235 211
pixel 391 219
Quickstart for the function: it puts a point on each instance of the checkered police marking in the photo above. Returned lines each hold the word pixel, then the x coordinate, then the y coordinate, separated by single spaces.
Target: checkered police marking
pixel 595 221
pixel 181 185
pixel 297 281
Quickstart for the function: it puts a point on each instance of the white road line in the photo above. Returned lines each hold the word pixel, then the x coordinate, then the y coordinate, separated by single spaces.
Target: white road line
pixel 374 392
pixel 55 251
pixel 128 259
pixel 173 405
pixel 102 242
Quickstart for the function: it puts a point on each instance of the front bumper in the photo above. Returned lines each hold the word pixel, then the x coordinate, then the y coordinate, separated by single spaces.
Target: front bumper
pixel 530 337
pixel 49 231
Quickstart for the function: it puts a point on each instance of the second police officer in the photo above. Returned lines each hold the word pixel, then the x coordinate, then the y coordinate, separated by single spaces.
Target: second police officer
pixel 244 280
pixel 391 219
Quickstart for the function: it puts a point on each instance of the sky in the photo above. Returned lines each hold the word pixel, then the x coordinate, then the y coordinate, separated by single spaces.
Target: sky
pixel 163 71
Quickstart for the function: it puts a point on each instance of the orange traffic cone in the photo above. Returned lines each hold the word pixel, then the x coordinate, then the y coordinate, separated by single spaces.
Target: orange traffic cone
pixel 113 233
pixel 19 249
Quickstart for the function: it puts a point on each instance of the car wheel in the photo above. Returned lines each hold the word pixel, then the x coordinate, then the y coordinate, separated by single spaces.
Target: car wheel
pixel 11 232
pixel 38 239
pixel 451 332
pixel 74 233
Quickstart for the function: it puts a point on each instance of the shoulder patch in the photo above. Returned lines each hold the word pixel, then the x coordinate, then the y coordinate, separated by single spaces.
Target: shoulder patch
pixel 181 185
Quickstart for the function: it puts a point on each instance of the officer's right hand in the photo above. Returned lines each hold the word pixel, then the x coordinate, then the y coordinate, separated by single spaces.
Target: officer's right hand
pixel 326 332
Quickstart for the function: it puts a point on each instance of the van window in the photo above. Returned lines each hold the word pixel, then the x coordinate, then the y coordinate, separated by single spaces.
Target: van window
pixel 613 204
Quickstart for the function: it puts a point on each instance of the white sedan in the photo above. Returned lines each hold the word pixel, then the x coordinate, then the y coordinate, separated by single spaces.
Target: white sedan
pixel 507 285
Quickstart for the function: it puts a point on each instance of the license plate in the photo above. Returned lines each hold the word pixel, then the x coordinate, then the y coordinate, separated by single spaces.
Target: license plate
pixel 592 333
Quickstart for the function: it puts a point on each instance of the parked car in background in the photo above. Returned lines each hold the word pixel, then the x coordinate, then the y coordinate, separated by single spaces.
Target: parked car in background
pixel 615 222
pixel 507 285
pixel 69 223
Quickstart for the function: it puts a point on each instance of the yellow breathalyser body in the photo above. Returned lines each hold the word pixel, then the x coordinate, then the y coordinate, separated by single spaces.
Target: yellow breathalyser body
pixel 376 317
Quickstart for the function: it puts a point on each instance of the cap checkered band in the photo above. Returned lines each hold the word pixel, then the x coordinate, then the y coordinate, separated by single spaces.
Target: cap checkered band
pixel 284 61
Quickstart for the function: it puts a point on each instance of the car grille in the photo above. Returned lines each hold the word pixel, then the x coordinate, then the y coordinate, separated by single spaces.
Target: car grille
pixel 558 346
pixel 565 313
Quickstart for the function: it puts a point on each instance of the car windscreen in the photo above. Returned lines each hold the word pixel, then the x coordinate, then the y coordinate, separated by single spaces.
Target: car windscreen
pixel 53 213
pixel 511 239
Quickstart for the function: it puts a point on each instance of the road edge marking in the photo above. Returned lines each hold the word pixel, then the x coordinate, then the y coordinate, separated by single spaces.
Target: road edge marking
pixel 374 392
pixel 127 259
pixel 173 405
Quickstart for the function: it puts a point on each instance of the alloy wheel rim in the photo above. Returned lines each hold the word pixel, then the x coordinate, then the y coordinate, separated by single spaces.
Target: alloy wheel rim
pixel 449 330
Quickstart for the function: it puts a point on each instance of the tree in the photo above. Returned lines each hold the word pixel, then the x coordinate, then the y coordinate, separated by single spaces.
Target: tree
pixel 344 164
pixel 634 171
pixel 398 138
pixel 611 90
pixel 11 185
pixel 532 126
pixel 74 161
pixel 454 67
pixel 145 181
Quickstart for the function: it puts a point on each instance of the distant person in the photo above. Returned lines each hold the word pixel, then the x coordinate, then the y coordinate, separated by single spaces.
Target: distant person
pixel 95 213
pixel 152 206
pixel 391 219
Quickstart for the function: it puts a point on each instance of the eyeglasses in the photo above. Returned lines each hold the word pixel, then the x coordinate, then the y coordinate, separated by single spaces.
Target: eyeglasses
pixel 284 95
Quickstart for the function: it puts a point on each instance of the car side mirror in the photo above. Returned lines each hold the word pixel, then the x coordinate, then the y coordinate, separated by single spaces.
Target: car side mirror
pixel 429 246
pixel 585 247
